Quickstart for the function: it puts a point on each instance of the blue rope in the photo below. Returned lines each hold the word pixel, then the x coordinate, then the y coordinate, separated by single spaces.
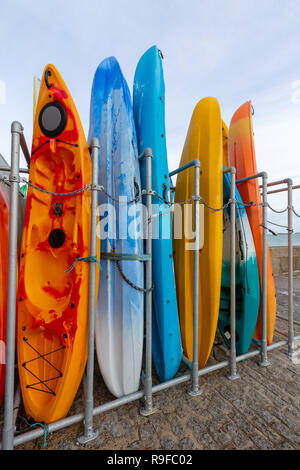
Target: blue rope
pixel 44 426
pixel 88 259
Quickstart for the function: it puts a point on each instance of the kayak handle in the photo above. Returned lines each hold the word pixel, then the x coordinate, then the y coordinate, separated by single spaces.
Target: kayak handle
pixel 47 75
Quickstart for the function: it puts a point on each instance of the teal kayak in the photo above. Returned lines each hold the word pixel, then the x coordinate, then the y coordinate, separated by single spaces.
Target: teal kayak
pixel 247 276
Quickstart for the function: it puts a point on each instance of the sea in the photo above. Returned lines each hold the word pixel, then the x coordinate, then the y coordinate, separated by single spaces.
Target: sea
pixel 282 239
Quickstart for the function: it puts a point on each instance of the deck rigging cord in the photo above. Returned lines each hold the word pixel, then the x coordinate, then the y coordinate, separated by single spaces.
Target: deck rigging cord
pixel 41 381
pixel 87 259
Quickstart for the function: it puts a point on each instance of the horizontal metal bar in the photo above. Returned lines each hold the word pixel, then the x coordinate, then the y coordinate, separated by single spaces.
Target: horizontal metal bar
pixel 281 190
pixel 30 435
pixel 7 169
pixel 262 174
pixel 185 167
pixel 276 183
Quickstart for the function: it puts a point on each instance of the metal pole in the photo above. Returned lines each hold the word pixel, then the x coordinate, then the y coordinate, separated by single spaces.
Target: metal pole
pixel 291 350
pixel 233 372
pixel 89 432
pixel 8 428
pixel 148 405
pixel 184 167
pixel 69 421
pixel 283 189
pixel 8 170
pixel 264 356
pixel 195 391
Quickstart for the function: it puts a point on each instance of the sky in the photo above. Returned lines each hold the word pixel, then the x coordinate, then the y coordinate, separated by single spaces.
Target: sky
pixel 236 51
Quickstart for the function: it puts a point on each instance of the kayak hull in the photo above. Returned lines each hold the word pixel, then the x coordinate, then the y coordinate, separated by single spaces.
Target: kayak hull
pixel 52 299
pixel 203 142
pixel 242 157
pixel 149 113
pixel 247 289
pixel 120 307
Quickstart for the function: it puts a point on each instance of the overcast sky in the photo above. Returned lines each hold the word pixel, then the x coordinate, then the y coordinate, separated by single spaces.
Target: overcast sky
pixel 235 50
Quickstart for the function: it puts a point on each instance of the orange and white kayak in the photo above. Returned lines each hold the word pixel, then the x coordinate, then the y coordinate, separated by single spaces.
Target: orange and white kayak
pixel 242 157
pixel 52 299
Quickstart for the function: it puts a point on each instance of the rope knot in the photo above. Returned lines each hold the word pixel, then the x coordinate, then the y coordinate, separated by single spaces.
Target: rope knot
pixel 87 259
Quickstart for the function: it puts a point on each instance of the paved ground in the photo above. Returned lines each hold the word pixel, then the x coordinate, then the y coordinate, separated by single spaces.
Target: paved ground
pixel 259 411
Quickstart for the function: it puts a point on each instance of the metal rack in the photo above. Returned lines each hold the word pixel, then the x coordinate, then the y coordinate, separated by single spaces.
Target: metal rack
pixel 9 440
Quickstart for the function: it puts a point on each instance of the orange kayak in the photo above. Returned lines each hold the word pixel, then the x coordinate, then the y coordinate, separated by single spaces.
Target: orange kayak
pixel 4 242
pixel 52 300
pixel 242 157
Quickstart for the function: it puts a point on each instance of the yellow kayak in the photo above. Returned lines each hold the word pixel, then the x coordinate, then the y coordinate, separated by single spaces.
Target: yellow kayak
pixel 225 135
pixel 203 142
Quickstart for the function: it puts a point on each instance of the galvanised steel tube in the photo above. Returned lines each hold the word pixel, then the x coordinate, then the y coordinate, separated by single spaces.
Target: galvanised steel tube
pixel 262 174
pixel 275 183
pixel 283 189
pixel 233 373
pixel 184 167
pixel 148 406
pixel 8 428
pixel 289 189
pixel 264 356
pixel 195 377
pixel 69 421
pixel 21 170
pixel 291 349
pixel 89 432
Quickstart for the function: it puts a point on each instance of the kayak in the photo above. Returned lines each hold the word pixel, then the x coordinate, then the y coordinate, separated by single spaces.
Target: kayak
pixel 247 288
pixel 242 157
pixel 203 142
pixel 52 326
pixel 119 325
pixel 149 114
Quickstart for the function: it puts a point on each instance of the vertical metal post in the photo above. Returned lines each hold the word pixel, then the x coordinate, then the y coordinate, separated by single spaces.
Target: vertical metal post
pixel 148 405
pixel 233 372
pixel 195 391
pixel 291 350
pixel 89 432
pixel 264 355
pixel 8 428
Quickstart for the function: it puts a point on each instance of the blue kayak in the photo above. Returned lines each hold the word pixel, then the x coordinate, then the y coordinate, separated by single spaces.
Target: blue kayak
pixel 120 306
pixel 149 114
pixel 247 276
